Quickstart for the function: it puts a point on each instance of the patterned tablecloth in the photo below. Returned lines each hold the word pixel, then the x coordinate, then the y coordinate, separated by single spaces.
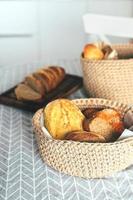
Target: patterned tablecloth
pixel 24 176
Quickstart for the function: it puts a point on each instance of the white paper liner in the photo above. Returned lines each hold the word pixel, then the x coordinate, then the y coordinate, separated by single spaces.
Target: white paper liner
pixel 45 131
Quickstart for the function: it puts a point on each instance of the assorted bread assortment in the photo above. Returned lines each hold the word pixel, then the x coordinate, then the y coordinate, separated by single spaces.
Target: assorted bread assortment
pixel 99 51
pixel 65 121
pixel 36 85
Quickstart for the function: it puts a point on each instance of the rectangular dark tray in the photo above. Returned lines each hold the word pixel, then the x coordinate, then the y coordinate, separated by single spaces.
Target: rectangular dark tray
pixel 69 85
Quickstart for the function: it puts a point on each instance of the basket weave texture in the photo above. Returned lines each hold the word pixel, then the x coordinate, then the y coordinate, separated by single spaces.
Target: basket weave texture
pixel 110 79
pixel 87 160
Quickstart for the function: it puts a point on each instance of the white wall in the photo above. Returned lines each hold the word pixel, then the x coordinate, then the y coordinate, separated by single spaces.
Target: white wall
pixel 112 7
pixel 61 28
pixel 49 28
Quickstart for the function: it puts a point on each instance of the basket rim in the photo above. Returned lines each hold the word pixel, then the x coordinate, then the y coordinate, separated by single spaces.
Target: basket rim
pixel 125 46
pixel 36 124
pixel 104 60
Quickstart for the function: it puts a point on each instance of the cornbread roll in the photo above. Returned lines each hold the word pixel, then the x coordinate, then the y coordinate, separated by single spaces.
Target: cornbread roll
pixel 113 117
pixel 35 84
pixel 84 136
pixel 100 126
pixel 24 92
pixel 62 116
pixel 93 52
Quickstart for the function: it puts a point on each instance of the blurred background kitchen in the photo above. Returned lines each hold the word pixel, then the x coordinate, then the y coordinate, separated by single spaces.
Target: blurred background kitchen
pixel 49 29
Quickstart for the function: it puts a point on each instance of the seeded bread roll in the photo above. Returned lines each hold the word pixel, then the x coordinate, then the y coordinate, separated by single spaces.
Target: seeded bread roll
pixel 62 116
pixel 24 92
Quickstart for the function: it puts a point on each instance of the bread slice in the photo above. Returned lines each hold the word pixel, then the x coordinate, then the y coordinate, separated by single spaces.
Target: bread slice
pixel 35 84
pixel 51 77
pixel 44 80
pixel 57 77
pixel 59 71
pixel 46 76
pixel 24 92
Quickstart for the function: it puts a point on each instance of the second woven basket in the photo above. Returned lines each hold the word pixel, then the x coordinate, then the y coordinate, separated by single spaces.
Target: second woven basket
pixel 110 79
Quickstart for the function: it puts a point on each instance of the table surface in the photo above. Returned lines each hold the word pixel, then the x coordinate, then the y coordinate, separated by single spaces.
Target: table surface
pixel 23 175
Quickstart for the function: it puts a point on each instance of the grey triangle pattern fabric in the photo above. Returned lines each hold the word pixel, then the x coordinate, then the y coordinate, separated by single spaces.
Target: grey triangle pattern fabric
pixel 24 176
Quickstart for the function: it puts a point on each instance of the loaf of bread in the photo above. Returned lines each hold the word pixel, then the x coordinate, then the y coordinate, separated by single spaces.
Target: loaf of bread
pixel 40 82
pixel 62 116
pixel 84 136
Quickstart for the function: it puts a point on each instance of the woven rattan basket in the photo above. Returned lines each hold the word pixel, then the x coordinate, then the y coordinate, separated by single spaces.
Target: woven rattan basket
pixel 110 79
pixel 87 160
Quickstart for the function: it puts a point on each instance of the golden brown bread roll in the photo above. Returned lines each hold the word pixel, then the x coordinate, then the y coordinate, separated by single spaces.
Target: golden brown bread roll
pixel 84 136
pixel 62 116
pixel 92 52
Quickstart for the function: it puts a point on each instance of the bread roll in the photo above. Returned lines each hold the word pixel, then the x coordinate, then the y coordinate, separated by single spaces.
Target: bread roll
pixel 113 117
pixel 84 136
pixel 92 52
pixel 99 126
pixel 62 116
